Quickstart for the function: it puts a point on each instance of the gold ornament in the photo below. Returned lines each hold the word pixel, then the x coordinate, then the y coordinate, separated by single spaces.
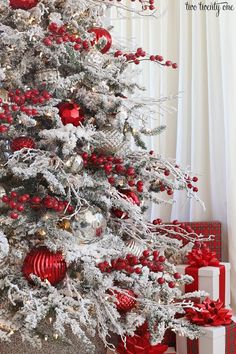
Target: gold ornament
pixel 110 141
pixel 3 95
pixel 65 224
pixel 41 233
pixel 48 76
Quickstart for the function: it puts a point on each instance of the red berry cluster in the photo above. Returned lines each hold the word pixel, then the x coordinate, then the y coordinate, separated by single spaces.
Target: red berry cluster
pixel 141 55
pixel 18 101
pixel 60 34
pixel 133 264
pixel 146 5
pixel 113 167
pixel 190 182
pixel 18 203
pixel 175 226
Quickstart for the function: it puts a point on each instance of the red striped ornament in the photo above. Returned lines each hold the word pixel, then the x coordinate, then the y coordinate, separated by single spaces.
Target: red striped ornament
pixel 44 264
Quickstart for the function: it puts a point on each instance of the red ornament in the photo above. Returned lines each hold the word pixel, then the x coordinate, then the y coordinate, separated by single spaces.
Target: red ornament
pixel 70 113
pixel 133 198
pixel 44 264
pixel 22 142
pixel 125 301
pixel 100 33
pixel 23 4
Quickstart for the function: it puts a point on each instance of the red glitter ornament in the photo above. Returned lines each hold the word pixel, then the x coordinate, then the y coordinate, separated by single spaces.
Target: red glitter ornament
pixel 125 301
pixel 133 198
pixel 100 33
pixel 70 113
pixel 44 264
pixel 22 142
pixel 23 4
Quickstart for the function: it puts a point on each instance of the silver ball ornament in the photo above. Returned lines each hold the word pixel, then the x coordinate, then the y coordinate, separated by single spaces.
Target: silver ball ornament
pixel 89 225
pixel 75 164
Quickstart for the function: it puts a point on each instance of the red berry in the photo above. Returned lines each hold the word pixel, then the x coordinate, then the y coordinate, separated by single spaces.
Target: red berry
pixel 20 207
pixel 131 183
pixel 13 194
pixel 130 171
pixel 195 179
pixel 118 53
pixel 177 275
pixel 5 199
pixel 161 281
pixel 59 40
pixel 14 215
pixel 77 46
pixel 111 180
pixel 174 66
pixel 47 42
pixel 167 173
pixel 36 200
pixel 53 27
pixel 151 152
pixel 152 58
pixel 169 192
pixel 160 268
pixel 155 254
pixel 159 58
pixel 171 284
pixel 23 199
pixel 146 253
pixel 168 63
pixel 136 61
pixel 162 259
pixel 3 128
pixel 195 189
pixel 138 270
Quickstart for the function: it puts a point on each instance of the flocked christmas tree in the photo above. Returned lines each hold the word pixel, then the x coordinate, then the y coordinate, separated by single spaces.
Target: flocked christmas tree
pixel 75 246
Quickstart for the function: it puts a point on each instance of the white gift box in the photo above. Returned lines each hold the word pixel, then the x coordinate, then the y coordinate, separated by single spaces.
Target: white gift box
pixel 170 351
pixel 213 342
pixel 209 280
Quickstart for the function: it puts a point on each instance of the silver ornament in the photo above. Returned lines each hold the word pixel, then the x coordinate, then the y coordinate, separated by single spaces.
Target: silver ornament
pixel 48 76
pixel 135 247
pixel 6 151
pixel 109 141
pixel 89 225
pixel 2 193
pixel 75 163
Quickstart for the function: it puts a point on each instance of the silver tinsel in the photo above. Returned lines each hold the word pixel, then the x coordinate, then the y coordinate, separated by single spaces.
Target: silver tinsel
pixel 48 76
pixel 89 225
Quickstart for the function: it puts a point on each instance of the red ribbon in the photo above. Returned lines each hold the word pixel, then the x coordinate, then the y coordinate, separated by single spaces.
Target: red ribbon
pixel 194 286
pixel 202 257
pixel 140 345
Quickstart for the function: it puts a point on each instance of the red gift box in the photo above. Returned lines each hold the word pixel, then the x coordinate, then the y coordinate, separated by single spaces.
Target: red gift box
pixel 207 228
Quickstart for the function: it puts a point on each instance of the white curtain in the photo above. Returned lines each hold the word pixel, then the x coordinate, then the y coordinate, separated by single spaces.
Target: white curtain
pixel 202 134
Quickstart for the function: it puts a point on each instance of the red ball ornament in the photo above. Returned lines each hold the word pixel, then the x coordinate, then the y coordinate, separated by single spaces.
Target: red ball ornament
pixel 44 264
pixel 133 198
pixel 125 301
pixel 70 113
pixel 22 142
pixel 100 33
pixel 23 4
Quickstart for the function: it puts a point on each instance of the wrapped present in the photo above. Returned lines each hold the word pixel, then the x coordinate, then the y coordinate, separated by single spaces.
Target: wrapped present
pixel 170 350
pixel 208 274
pixel 217 340
pixel 207 228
